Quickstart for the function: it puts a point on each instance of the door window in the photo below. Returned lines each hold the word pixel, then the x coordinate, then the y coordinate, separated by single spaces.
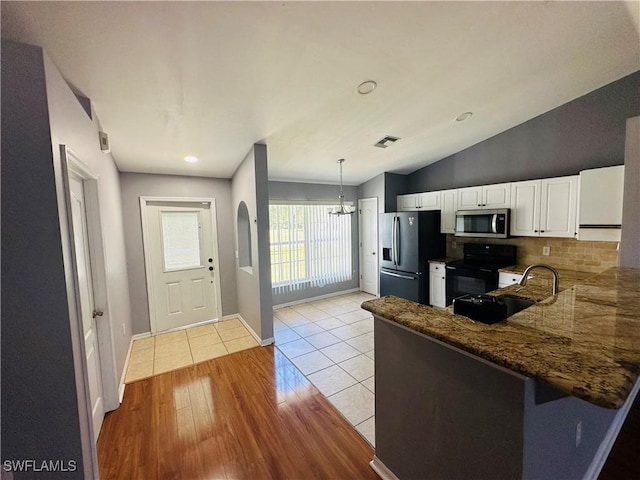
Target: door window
pixel 180 240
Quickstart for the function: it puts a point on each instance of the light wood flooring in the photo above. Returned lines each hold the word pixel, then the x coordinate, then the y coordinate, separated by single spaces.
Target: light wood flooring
pixel 247 415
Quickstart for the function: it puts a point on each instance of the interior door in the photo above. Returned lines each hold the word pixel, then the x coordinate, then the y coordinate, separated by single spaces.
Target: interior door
pixel 368 233
pixel 183 273
pixel 85 289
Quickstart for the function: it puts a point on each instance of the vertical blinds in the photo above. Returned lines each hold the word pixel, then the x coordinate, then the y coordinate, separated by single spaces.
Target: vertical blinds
pixel 309 247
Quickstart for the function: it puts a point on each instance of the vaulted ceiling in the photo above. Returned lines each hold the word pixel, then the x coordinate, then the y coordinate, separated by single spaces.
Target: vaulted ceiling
pixel 170 79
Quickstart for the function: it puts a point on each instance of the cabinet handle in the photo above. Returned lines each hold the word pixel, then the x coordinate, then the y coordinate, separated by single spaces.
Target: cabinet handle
pixel 541 231
pixel 535 231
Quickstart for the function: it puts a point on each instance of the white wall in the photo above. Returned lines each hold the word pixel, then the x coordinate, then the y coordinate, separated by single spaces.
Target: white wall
pixel 135 185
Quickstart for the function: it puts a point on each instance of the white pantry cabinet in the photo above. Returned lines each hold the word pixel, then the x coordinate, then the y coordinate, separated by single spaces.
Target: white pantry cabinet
pixel 544 208
pixel 418 201
pixel 448 207
pixel 437 285
pixel 485 196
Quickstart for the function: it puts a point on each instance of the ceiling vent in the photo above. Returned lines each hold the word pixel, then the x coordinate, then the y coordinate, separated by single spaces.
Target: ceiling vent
pixel 386 141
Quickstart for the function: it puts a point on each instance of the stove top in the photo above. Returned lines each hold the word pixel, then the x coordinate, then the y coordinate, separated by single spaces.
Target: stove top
pixel 487 257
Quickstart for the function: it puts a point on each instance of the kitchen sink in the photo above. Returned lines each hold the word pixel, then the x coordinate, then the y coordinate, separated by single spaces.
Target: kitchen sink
pixel 489 308
pixel 515 304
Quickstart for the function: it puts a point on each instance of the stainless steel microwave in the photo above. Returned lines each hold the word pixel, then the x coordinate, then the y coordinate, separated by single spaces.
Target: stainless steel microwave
pixel 483 223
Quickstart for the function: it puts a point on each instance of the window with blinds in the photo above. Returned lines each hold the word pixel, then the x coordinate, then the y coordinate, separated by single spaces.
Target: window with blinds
pixel 309 247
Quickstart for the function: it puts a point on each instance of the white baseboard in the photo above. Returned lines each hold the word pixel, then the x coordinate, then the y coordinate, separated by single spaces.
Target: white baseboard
pixel 381 469
pixel 314 299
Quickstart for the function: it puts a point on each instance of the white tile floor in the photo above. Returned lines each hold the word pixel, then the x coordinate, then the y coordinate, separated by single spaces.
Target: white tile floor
pixel 331 343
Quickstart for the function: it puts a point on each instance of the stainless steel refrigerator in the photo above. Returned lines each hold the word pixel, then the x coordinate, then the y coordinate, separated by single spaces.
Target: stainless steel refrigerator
pixel 408 240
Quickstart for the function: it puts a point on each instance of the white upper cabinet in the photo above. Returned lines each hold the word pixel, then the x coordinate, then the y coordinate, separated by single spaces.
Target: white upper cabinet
pixel 418 201
pixel 525 208
pixel 448 206
pixel 600 205
pixel 544 208
pixel 558 206
pixel 486 196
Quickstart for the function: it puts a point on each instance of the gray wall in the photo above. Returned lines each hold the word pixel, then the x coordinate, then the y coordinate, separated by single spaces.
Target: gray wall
pixel 386 187
pixel 253 285
pixel 289 191
pixel 37 361
pixel 588 132
pixel 630 242
pixel 40 404
pixel 135 185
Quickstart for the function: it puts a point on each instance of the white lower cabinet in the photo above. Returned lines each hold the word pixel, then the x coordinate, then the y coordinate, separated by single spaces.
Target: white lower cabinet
pixel 437 285
pixel 505 279
pixel 544 208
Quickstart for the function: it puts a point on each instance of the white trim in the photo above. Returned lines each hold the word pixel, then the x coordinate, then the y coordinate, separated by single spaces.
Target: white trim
pixel 71 165
pixel 144 201
pixel 360 258
pixel 319 297
pixel 381 469
pixel 607 443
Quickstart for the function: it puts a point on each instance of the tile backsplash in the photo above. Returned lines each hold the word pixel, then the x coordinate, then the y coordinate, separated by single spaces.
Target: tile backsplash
pixel 565 253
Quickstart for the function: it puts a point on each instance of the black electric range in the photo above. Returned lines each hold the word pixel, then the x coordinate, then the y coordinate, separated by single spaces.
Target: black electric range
pixel 477 272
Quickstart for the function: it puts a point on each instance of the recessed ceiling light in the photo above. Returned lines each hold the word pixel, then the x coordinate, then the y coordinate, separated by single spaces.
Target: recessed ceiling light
pixel 463 116
pixel 367 87
pixel 190 159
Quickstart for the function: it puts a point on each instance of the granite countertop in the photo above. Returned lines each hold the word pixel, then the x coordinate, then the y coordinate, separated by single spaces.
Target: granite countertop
pixel 585 341
pixel 540 276
pixel 443 260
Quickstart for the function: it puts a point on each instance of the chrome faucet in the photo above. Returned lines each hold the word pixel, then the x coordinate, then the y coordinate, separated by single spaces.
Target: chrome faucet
pixel 556 275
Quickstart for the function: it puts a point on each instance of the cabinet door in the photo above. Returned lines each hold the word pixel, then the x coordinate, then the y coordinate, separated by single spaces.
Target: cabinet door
pixel 448 205
pixel 437 285
pixel 407 203
pixel 525 208
pixel 497 196
pixel 470 198
pixel 558 203
pixel 429 201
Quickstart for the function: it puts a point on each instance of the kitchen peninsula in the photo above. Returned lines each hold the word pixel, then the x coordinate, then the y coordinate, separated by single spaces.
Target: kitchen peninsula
pixel 541 395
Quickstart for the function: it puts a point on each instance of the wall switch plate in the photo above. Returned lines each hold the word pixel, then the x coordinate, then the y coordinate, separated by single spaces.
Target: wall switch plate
pixel 546 250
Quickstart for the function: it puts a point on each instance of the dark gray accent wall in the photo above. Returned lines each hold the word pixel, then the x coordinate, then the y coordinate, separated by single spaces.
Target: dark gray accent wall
pixel 630 241
pixel 309 192
pixel 136 185
pixel 588 132
pixel 39 408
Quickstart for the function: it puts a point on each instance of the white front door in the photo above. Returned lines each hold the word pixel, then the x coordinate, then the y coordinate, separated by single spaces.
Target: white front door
pixel 85 289
pixel 368 233
pixel 180 251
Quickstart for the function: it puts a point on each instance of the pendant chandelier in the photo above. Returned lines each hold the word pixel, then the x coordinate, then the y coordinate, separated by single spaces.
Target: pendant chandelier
pixel 341 208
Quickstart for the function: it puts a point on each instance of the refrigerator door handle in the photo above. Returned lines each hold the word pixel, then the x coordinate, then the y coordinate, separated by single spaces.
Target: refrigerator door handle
pixel 393 241
pixel 396 250
pixel 398 275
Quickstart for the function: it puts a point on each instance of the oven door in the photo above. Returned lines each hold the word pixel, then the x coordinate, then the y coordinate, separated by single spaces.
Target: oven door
pixel 463 280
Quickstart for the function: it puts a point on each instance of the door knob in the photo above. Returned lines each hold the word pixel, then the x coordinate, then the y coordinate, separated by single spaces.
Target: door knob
pixel 97 313
pixel 211 269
